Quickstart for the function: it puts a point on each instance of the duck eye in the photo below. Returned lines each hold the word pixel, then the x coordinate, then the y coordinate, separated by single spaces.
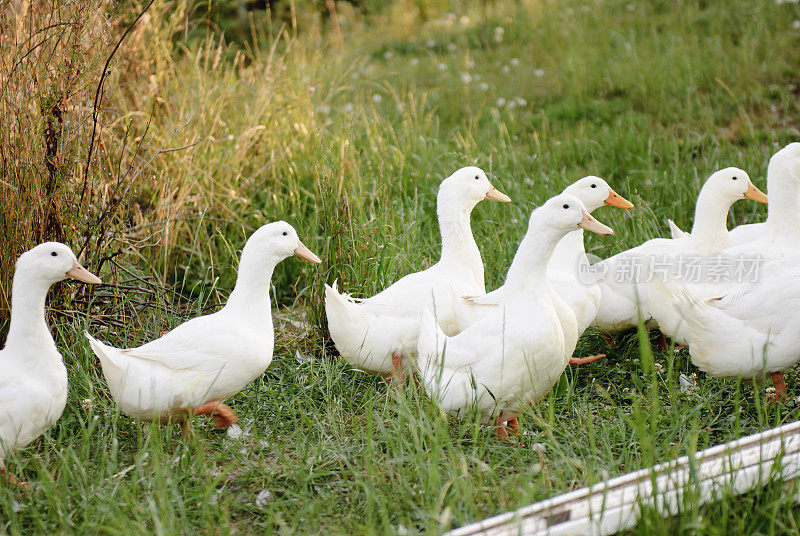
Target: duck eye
pixel 566 206
pixel 54 254
pixel 594 186
pixel 477 177
pixel 734 178
pixel 285 233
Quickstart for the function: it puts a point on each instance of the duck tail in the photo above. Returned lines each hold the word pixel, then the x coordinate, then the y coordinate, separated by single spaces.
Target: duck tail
pixel 344 320
pixel 111 360
pixel 676 231
pixel 695 311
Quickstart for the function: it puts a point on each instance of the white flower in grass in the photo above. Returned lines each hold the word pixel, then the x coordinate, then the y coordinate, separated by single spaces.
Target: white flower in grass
pixel 430 43
pixel 500 102
pixel 796 25
pixel 263 498
pixel 464 20
pixel 688 383
pixel 471 64
pixel 539 447
pixel 452 47
pixel 466 78
pixel 528 181
pixel 235 431
pixel 377 98
pixel 499 30
pixel 414 62
pixel 400 107
pixel 87 404
pixel 484 86
pixel 770 390
pixel 511 104
pixel 506 69
pixel 17 506
pixel 388 55
pixel 348 107
pixel 514 62
pixel 520 101
pixel 538 73
pixel 658 367
pixel 442 67
pixel 325 109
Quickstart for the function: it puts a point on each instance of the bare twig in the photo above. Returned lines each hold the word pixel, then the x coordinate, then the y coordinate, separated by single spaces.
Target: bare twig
pixel 98 98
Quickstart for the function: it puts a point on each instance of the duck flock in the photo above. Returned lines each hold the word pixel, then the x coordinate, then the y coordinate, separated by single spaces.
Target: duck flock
pixel 729 296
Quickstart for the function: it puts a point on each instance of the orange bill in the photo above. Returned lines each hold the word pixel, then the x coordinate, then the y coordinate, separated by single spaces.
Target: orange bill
pixel 82 274
pixel 496 195
pixel 591 224
pixel 304 253
pixel 616 200
pixel 755 194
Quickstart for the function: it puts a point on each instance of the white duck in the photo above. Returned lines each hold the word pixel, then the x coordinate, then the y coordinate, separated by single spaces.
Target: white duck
pixel 379 334
pixel 33 382
pixel 565 270
pixel 206 360
pixel 625 274
pixel 514 355
pixel 781 231
pixel 749 330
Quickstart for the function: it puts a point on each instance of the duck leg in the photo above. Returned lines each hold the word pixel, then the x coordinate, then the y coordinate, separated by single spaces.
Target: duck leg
pixel 222 414
pixel 501 431
pixel 662 345
pixel 397 364
pixel 513 426
pixel 585 360
pixel 780 387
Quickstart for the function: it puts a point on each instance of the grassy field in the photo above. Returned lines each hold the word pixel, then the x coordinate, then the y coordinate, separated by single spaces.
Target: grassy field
pixel 348 143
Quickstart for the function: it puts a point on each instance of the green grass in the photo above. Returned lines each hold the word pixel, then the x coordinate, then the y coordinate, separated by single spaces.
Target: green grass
pixel 653 97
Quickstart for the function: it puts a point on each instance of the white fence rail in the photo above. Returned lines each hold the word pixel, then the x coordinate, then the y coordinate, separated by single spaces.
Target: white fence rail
pixel 610 506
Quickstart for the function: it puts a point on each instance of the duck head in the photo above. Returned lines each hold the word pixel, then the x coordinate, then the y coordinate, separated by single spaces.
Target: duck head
pixel 467 187
pixel 594 192
pixel 53 262
pixel 566 212
pixel 732 184
pixel 275 242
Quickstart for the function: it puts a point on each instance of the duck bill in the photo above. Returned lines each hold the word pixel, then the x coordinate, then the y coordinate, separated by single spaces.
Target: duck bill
pixel 304 253
pixel 496 195
pixel 755 194
pixel 591 224
pixel 80 273
pixel 616 200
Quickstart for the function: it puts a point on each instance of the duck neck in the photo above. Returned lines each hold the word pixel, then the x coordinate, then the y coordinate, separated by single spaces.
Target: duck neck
pixel 710 228
pixel 568 252
pixel 528 272
pixel 250 295
pixel 28 325
pixel 783 213
pixel 458 244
